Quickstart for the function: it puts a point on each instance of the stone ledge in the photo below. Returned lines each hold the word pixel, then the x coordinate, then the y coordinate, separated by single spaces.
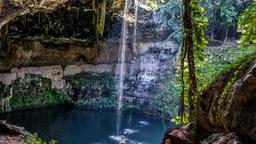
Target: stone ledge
pixel 55 73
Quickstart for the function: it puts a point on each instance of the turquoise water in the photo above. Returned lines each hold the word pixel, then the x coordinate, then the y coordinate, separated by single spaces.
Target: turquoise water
pixel 81 126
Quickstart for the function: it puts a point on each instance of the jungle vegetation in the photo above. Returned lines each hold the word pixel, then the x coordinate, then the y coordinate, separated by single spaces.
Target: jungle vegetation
pixel 195 24
pixel 214 36
pixel 227 14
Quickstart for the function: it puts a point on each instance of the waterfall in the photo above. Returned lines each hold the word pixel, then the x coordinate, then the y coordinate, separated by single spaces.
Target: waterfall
pixel 135 25
pixel 122 68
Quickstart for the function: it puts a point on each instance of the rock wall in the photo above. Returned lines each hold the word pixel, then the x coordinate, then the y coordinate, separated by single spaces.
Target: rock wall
pixel 144 77
pixel 54 73
pixel 39 86
pixel 146 73
pixel 52 52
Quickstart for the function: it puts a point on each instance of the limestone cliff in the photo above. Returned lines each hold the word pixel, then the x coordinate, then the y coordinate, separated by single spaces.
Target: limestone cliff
pixel 59 51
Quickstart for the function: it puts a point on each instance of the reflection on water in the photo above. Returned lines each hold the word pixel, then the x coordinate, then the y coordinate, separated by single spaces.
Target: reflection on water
pixel 80 126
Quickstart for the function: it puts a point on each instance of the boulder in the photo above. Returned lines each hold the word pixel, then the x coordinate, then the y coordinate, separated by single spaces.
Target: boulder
pixel 11 134
pixel 178 135
pixel 229 103
pixel 6 128
pixel 223 138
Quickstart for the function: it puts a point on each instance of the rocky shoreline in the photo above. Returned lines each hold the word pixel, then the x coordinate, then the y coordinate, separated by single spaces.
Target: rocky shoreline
pixel 182 135
pixel 11 134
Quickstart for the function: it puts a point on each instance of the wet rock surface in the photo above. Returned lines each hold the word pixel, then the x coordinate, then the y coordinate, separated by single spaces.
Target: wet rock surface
pixel 10 134
pixel 39 41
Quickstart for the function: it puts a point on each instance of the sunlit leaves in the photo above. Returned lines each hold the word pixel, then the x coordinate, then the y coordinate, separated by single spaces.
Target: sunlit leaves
pixel 151 4
pixel 177 119
pixel 247 25
pixel 218 60
pixel 199 27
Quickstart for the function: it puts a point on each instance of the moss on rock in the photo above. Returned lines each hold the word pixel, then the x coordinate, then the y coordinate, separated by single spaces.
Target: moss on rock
pixel 91 85
pixel 93 90
pixel 31 91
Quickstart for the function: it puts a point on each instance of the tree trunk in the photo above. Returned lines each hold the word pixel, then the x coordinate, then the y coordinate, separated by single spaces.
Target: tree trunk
pixel 226 36
pixel 188 45
pixel 182 92
pixel 213 28
pixel 189 48
pixel 213 21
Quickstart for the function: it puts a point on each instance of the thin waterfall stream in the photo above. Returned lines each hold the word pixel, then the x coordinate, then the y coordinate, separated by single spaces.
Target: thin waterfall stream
pixel 122 56
pixel 135 25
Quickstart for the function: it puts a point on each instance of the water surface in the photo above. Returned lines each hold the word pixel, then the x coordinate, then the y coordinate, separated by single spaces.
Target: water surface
pixel 81 126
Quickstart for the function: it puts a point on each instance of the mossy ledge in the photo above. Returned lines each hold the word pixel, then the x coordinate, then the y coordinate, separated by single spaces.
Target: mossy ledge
pixel 36 91
pixel 227 104
pixel 94 88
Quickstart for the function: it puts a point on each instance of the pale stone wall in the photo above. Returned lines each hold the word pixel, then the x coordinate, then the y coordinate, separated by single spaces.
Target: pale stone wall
pixel 54 73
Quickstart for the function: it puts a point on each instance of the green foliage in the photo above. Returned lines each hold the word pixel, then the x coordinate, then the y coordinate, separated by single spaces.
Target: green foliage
pixel 99 8
pixel 49 97
pixel 55 97
pixel 247 25
pixel 197 31
pixel 166 101
pixel 27 92
pixel 224 11
pixel 199 23
pixel 151 4
pixel 220 60
pixel 32 91
pixel 228 12
pixel 227 87
pixel 104 103
pixel 199 27
pixel 98 103
pixel 34 139
pixel 91 84
pixel 171 11
pixel 177 120
pixel 220 14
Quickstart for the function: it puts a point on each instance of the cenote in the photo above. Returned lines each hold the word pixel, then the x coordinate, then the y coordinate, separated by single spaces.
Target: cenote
pixel 101 71
pixel 82 126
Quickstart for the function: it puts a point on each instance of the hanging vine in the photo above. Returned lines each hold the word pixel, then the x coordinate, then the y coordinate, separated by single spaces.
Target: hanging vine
pixel 191 58
pixel 99 8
